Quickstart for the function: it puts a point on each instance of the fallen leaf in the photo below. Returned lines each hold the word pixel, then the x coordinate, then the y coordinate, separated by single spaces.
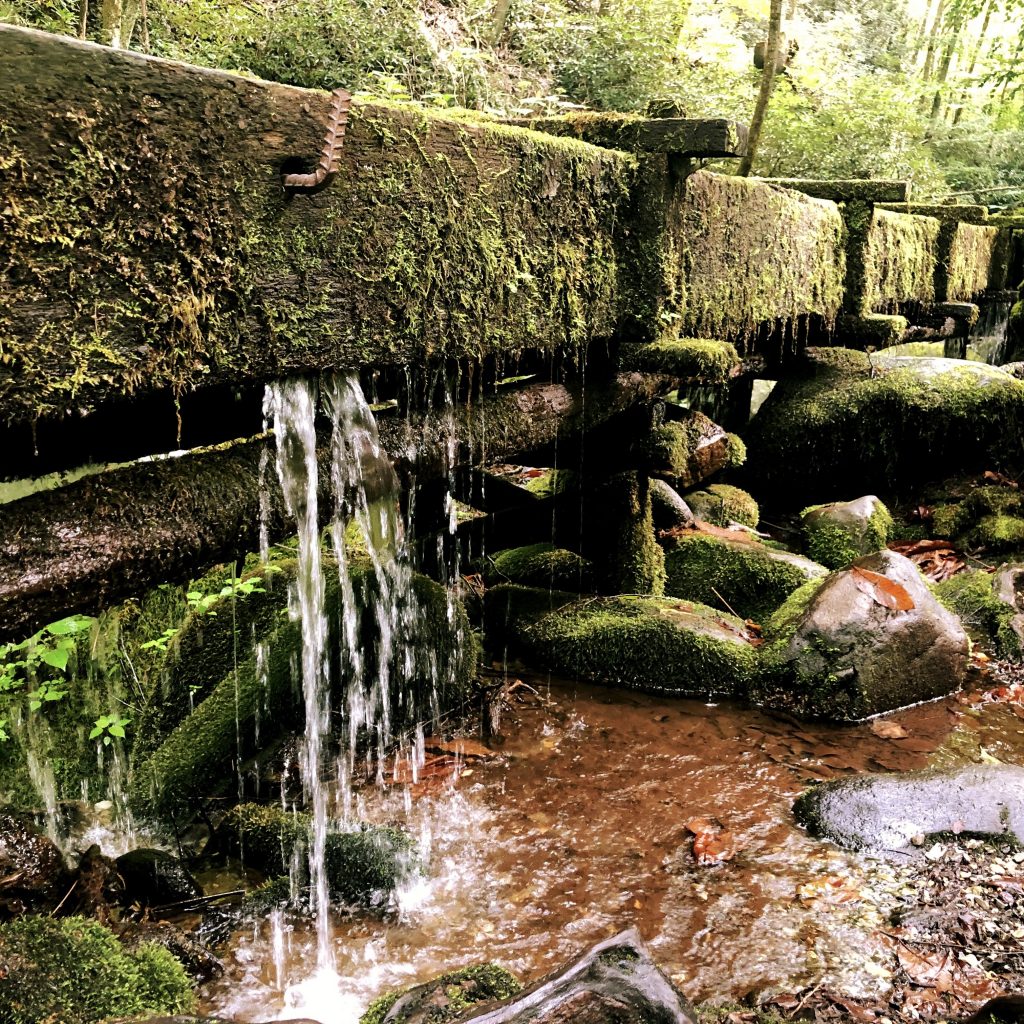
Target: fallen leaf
pixel 882 590
pixel 460 747
pixel 932 970
pixel 711 843
pixel 888 730
pixel 829 889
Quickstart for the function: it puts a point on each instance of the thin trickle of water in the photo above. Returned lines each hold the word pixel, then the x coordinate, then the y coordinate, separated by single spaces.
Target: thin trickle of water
pixel 988 338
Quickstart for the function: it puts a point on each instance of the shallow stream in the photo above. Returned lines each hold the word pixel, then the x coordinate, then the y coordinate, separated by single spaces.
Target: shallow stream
pixel 577 829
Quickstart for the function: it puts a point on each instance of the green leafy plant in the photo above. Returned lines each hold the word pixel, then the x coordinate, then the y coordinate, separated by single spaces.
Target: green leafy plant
pixel 51 648
pixel 108 728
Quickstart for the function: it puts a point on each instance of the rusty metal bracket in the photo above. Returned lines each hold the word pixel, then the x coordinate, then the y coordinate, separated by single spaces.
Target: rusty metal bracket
pixel 327 166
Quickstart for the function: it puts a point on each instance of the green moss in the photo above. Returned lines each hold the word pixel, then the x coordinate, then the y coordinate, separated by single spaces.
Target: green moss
pixel 540 565
pixel 689 359
pixel 736 451
pixel 973 597
pixel 647 643
pixel 750 579
pixel 887 427
pixel 364 865
pixel 990 517
pixel 446 997
pixel 836 541
pixel 76 972
pixel 965 263
pixel 722 504
pixel 552 482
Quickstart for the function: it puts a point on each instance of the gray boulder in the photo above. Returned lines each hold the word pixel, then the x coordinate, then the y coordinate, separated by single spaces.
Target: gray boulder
pixel 842 531
pixel 668 507
pixel 836 650
pixel 888 811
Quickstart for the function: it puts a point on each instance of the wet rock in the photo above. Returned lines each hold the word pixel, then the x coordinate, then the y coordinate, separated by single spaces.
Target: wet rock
pixel 364 865
pixel 75 971
pixel 687 359
pixel 881 423
pixel 33 874
pixel 616 980
pixel 842 531
pixel 98 884
pixel 445 998
pixel 660 645
pixel 742 575
pixel 723 504
pixel 540 565
pixel 1014 369
pixel 689 450
pixel 200 964
pixel 888 811
pixel 155 878
pixel 669 508
pixel 835 650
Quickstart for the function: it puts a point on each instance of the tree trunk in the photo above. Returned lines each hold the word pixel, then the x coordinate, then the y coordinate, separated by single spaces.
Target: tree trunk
pixel 771 60
pixel 933 41
pixel 949 51
pixel 108 537
pixel 500 18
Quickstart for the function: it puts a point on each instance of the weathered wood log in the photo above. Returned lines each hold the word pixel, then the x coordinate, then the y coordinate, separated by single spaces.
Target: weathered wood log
pixel 844 191
pixel 146 240
pixel 107 537
pixel 942 211
pixel 615 982
pixel 682 136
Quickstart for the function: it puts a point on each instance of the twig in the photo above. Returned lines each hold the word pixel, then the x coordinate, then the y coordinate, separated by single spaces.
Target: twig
pixel 728 606
pixel 906 940
pixel 807 995
pixel 55 911
pixel 198 901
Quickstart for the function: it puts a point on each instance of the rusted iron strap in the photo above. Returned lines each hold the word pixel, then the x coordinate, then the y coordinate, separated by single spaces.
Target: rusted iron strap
pixel 327 166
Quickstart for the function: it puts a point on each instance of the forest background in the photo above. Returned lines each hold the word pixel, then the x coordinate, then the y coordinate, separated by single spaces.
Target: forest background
pixel 930 90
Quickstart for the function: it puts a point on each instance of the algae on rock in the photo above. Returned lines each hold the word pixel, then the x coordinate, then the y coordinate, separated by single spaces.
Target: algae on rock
pixel 722 504
pixel 540 565
pixel 842 531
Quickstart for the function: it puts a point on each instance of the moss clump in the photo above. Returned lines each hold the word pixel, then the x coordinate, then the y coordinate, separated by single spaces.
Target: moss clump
pixel 541 565
pixel 749 578
pixel 974 597
pixel 690 450
pixel 990 517
pixel 965 263
pixel 648 643
pixel 75 971
pixel 364 865
pixel 446 997
pixel 722 504
pixel 884 426
pixel 552 482
pixel 689 359
pixel 839 533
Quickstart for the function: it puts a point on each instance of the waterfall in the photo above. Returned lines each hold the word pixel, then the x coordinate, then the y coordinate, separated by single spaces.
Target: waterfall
pixel 988 338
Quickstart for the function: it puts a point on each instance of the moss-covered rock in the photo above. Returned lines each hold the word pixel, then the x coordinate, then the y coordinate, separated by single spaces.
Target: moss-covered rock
pixel 687 359
pixel 444 998
pixel 364 865
pixel 989 517
pixel 744 575
pixel 195 760
pixel 76 972
pixel 722 504
pixel 843 531
pixel 986 604
pixel 540 565
pixel 648 643
pixel 836 649
pixel 882 424
pixel 689 450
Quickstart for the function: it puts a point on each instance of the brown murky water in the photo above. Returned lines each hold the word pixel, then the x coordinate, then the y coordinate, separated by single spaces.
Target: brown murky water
pixel 578 830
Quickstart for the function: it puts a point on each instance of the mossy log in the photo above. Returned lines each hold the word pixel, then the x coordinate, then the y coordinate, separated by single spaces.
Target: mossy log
pixel 843 191
pixel 147 242
pixel 104 538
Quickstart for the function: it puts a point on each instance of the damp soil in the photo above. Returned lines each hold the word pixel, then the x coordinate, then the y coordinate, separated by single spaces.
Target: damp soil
pixel 577 828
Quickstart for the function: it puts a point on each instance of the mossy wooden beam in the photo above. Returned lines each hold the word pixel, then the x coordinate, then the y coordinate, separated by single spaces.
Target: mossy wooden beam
pixel 146 240
pixel 683 136
pixel 102 539
pixel 844 191
pixel 942 211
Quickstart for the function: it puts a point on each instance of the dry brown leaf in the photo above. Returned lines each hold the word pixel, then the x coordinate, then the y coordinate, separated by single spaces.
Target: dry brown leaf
pixel 888 730
pixel 882 590
pixel 460 747
pixel 711 843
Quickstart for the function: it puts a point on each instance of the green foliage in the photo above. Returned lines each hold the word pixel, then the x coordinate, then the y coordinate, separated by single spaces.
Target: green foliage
pixel 75 971
pixel 973 596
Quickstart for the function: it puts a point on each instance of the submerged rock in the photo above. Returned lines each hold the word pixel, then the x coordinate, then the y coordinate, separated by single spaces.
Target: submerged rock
pixel 540 565
pixel 364 865
pixel 154 878
pixel 75 971
pixel 722 504
pixel 615 981
pixel 745 575
pixel 882 422
pixel 889 811
pixel 648 643
pixel 842 531
pixel 33 874
pixel 836 650
pixel 445 998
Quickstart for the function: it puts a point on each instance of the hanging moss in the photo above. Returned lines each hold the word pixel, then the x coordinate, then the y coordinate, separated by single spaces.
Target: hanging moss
pixel 746 578
pixel 689 359
pixel 76 972
pixel 966 261
pixel 898 256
